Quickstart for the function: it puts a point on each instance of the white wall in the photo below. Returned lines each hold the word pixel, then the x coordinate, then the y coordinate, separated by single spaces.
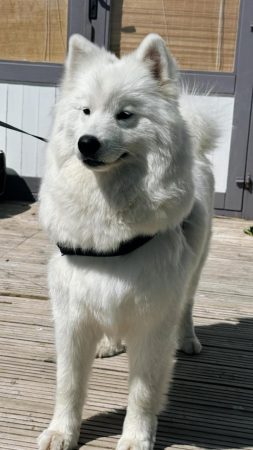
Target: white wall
pixel 30 108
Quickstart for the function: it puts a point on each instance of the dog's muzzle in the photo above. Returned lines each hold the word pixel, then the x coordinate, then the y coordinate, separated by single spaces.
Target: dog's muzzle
pixel 88 146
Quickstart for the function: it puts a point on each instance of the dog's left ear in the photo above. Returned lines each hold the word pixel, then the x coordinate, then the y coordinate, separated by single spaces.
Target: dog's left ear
pixel 154 52
pixel 81 52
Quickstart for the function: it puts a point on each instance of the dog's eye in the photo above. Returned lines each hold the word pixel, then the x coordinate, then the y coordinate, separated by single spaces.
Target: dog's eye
pixel 124 115
pixel 86 111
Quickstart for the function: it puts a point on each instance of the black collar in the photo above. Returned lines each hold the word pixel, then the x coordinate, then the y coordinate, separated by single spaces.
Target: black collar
pixel 123 249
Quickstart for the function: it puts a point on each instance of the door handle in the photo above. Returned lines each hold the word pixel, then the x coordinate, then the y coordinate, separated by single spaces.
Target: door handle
pixel 93 9
pixel 245 183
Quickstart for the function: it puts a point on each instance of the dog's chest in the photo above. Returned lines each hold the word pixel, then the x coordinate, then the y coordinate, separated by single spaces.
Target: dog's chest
pixel 118 292
pixel 92 219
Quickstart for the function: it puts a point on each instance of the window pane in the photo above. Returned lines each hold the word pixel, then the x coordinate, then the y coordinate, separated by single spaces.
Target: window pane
pixel 200 33
pixel 33 30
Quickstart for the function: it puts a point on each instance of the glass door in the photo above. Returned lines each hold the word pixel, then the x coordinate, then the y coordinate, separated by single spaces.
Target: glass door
pixel 201 33
pixel 36 30
pixel 34 37
pixel 203 37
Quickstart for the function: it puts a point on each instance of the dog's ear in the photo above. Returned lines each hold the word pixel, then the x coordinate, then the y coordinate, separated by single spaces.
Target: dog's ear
pixel 153 51
pixel 80 52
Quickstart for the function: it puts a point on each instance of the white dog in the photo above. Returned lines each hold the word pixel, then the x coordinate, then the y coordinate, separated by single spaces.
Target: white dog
pixel 127 196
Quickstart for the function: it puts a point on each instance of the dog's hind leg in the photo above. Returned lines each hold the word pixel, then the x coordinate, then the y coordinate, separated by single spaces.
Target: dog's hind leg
pixel 108 347
pixel 75 344
pixel 188 341
pixel 197 231
pixel 150 363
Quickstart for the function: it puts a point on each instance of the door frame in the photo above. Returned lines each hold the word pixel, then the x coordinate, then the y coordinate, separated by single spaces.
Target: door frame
pixel 240 164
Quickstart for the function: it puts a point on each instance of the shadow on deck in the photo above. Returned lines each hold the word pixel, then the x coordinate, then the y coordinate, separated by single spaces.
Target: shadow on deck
pixel 211 399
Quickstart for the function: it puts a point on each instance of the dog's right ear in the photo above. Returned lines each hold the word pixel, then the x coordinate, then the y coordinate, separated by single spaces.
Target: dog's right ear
pixel 80 53
pixel 153 52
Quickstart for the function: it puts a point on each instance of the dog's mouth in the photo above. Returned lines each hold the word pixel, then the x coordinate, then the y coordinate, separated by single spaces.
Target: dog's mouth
pixel 90 162
pixel 93 162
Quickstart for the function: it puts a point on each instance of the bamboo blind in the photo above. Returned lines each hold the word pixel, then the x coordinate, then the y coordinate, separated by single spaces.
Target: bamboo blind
pixel 201 33
pixel 33 30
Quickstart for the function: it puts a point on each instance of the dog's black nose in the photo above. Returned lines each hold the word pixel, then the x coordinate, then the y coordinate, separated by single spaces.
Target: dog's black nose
pixel 88 145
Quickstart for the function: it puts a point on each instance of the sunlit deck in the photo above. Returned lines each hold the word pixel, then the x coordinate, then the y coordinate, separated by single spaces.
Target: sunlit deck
pixel 211 400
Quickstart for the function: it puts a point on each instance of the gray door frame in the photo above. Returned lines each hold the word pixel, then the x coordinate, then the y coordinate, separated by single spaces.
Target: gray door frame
pixel 241 153
pixel 236 201
pixel 248 194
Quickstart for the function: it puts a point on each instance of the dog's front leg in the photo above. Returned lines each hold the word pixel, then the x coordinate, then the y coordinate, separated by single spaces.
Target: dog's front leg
pixel 75 345
pixel 150 364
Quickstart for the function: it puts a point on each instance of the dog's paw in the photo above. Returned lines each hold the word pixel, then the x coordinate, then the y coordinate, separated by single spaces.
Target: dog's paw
pixel 108 347
pixel 54 440
pixel 190 345
pixel 134 444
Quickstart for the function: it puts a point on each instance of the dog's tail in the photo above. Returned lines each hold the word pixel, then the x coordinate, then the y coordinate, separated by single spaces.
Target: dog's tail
pixel 201 113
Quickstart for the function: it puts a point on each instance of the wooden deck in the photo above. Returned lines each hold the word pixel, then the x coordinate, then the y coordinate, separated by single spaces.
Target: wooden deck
pixel 211 404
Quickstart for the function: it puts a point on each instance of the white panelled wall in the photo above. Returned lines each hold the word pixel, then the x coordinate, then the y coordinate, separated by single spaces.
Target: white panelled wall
pixel 30 108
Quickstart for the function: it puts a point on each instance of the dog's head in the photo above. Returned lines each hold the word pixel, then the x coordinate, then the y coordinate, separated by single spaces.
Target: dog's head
pixel 117 111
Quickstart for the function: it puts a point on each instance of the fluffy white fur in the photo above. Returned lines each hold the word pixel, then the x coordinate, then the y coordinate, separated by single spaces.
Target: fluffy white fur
pixel 163 181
